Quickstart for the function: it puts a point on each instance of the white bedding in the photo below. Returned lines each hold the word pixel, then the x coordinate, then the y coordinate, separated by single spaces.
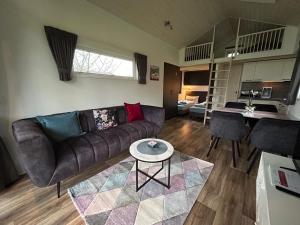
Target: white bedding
pixel 186 103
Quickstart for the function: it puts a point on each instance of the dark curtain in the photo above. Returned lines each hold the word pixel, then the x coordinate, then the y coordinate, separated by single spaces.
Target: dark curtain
pixel 62 45
pixel 8 172
pixel 141 64
pixel 295 82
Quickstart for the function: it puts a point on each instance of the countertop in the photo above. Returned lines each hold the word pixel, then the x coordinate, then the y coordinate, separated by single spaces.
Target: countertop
pixel 265 99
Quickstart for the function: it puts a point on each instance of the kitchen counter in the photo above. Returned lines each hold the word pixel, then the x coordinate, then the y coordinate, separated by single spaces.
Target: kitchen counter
pixel 281 105
pixel 265 99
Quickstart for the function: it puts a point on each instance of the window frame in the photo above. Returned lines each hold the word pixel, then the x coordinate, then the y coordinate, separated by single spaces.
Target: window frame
pixel 109 54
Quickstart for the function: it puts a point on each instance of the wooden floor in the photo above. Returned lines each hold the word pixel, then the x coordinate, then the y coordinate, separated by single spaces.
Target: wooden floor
pixel 228 197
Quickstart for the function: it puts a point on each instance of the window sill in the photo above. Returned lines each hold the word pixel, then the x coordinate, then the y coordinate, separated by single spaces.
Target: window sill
pixel 101 76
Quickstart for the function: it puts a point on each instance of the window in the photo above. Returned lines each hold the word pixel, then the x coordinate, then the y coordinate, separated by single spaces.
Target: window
pixel 94 63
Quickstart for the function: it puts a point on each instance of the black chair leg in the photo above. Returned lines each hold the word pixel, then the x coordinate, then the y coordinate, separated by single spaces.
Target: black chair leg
pixel 251 154
pixel 212 143
pixel 238 148
pixel 247 137
pixel 248 142
pixel 253 161
pixel 233 154
pixel 58 189
pixel 216 145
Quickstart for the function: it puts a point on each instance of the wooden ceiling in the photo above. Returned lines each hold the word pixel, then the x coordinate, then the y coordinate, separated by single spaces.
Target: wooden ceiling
pixel 193 18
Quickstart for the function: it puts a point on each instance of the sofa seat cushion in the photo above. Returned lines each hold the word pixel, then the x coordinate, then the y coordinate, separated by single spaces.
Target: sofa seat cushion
pixel 76 154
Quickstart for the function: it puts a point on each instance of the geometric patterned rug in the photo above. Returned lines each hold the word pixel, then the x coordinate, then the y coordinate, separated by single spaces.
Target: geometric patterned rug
pixel 110 197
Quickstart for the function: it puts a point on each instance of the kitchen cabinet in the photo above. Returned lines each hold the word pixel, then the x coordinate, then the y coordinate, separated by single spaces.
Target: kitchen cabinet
pixel 248 71
pixel 270 70
pixel 288 67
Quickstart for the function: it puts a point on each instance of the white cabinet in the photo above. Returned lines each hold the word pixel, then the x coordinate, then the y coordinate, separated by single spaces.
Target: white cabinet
pixel 288 67
pixel 270 70
pixel 274 207
pixel 248 71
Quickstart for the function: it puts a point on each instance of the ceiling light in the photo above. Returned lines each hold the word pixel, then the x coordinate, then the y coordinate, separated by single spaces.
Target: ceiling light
pixel 168 24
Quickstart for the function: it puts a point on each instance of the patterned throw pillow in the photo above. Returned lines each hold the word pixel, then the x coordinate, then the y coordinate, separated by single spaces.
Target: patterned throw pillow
pixel 105 118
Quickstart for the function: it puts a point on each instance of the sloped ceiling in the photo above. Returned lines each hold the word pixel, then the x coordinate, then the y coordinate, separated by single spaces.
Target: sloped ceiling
pixel 193 18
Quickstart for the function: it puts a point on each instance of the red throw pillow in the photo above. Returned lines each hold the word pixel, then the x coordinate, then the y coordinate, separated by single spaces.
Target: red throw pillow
pixel 134 112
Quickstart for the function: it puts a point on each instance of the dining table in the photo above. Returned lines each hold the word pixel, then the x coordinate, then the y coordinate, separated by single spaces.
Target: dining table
pixel 256 114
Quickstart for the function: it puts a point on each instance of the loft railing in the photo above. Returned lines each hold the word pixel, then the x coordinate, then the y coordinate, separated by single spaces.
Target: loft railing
pixel 260 41
pixel 267 40
pixel 198 52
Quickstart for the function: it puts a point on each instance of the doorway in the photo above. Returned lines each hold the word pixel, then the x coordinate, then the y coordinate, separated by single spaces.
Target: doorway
pixel 172 87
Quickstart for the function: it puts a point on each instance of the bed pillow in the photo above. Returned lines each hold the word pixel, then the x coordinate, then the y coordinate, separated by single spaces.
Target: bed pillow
pixel 134 112
pixel 59 127
pixel 105 118
pixel 182 102
pixel 192 98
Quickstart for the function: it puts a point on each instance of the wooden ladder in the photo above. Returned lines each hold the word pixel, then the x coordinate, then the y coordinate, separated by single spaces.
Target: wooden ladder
pixel 217 88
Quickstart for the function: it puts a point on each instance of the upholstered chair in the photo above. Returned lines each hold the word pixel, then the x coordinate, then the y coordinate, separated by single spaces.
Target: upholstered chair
pixel 230 126
pixel 274 136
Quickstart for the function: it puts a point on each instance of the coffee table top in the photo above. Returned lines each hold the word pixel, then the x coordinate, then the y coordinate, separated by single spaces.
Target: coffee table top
pixel 141 151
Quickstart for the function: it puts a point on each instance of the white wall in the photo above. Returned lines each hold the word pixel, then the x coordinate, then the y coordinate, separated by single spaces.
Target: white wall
pixel 294 110
pixel 29 79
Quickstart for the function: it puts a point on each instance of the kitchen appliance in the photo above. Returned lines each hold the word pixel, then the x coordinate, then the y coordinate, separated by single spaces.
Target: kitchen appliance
pixel 266 92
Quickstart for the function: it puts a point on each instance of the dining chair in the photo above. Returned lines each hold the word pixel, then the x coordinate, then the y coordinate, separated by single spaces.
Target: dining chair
pixel 260 107
pixel 274 136
pixel 236 105
pixel 227 125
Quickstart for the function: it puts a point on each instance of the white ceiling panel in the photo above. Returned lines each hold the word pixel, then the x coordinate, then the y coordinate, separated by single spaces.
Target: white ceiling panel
pixel 193 18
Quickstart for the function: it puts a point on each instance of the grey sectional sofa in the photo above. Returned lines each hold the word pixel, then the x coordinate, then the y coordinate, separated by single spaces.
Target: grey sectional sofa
pixel 47 163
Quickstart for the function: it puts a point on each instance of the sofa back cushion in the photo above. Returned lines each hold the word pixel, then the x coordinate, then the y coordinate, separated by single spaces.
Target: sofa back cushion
pixel 59 127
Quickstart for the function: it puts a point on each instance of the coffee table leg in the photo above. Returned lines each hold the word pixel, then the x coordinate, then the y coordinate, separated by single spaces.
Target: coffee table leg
pixel 136 174
pixel 152 177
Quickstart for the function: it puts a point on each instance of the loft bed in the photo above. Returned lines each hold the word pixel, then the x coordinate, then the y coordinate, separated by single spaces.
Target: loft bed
pixel 192 98
pixel 198 109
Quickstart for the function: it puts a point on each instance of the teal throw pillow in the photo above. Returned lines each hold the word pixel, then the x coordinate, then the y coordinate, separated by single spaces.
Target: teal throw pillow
pixel 59 127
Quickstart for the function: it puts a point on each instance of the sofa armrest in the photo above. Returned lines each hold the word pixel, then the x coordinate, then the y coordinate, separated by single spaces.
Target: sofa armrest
pixel 154 114
pixel 35 151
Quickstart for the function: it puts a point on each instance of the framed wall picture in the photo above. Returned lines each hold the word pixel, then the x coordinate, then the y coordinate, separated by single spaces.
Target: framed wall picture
pixel 154 72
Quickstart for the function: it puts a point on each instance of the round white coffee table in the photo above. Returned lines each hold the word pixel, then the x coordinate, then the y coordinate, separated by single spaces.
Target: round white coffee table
pixel 141 151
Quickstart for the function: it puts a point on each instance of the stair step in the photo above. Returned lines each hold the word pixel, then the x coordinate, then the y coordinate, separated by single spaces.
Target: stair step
pixel 214 71
pixel 217 87
pixel 212 95
pixel 217 103
pixel 218 79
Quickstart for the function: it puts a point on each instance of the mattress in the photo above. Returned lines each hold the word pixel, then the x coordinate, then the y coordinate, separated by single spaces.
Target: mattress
pixel 185 105
pixel 198 108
